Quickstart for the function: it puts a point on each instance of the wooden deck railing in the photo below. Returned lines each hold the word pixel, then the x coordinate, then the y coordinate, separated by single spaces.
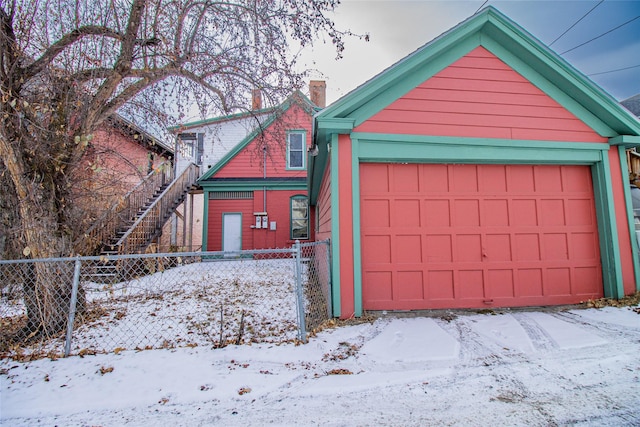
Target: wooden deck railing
pixel 147 226
pixel 122 213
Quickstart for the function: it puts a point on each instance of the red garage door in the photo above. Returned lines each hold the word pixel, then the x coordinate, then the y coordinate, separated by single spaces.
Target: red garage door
pixel 455 236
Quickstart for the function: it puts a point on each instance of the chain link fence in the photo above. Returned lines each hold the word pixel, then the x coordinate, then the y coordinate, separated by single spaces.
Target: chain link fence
pixel 86 305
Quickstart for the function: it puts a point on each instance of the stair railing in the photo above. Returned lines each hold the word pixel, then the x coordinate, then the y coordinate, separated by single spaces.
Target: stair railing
pixel 124 211
pixel 149 224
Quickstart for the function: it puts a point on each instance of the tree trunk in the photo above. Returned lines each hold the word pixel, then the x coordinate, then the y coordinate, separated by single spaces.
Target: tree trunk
pixel 47 286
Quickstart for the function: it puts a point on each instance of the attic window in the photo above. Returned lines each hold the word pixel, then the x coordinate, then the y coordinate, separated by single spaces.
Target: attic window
pixel 296 142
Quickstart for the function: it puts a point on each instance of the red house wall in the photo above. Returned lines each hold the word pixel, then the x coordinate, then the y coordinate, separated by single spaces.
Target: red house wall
pixel 480 96
pixel 249 162
pixel 278 207
pixel 324 206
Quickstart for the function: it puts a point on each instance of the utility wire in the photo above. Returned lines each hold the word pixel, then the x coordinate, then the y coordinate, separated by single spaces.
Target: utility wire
pixel 603 34
pixel 576 23
pixel 613 71
pixel 482 5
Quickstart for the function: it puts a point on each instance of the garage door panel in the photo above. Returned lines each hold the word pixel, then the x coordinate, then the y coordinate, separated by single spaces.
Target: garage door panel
pixel 476 235
pixel 467 213
pixel 495 213
pixel 409 286
pixel 552 212
pixel 437 213
pixel 470 284
pixel 409 249
pixel 559 282
pixel 406 213
pixel 440 285
pixel 524 212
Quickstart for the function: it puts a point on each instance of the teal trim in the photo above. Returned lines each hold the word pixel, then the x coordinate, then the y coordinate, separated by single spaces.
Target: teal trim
pixel 277 112
pixel 357 244
pixel 235 116
pixel 607 229
pixel 291 199
pixel 258 184
pixel 237 149
pixel 627 141
pixel 556 93
pixel 629 207
pixel 284 106
pixel 335 227
pixel 410 79
pixel 511 43
pixel 304 149
pixel 412 152
pixel 205 221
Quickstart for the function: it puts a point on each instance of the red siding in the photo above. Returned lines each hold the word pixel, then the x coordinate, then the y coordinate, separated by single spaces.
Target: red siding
pixel 480 96
pixel 277 208
pixel 345 218
pixel 624 234
pixel 249 162
pixel 324 206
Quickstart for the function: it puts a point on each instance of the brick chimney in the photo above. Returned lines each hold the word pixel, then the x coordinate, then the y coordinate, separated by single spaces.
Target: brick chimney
pixel 318 92
pixel 256 99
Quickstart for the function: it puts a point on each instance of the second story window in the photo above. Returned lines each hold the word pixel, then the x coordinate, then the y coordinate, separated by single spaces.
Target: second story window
pixel 296 149
pixel 191 146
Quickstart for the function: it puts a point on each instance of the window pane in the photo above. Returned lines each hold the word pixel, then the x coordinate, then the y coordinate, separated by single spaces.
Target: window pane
pixel 295 159
pixel 299 218
pixel 295 141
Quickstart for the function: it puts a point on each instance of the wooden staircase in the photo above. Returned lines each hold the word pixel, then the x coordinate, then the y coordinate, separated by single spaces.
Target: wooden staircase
pixel 131 225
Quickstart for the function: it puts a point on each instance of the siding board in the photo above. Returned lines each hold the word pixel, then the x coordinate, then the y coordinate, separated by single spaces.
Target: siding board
pixel 480 96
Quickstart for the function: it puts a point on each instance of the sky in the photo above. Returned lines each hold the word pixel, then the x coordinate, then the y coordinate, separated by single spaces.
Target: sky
pixel 397 28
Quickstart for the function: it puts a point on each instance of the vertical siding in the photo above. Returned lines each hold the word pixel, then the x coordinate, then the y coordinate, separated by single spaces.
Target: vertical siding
pixel 324 206
pixel 216 209
pixel 480 96
pixel 345 200
pixel 249 162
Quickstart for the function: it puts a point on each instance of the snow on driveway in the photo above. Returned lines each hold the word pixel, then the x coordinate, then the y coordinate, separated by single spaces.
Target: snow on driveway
pixel 515 368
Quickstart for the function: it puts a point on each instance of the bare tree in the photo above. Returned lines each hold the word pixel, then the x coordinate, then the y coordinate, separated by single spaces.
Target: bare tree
pixel 66 66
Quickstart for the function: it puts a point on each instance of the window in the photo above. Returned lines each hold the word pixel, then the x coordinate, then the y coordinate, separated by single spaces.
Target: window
pixel 295 150
pixel 299 218
pixel 191 146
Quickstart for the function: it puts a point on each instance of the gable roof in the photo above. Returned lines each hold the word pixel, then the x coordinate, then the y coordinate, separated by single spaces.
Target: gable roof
pixel 509 42
pixel 503 38
pixel 632 104
pixel 260 119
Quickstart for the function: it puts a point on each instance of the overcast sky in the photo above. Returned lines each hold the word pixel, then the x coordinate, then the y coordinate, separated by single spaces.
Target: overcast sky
pixel 397 28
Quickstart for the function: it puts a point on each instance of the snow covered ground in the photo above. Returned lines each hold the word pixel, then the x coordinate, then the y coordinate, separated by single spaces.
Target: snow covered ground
pixel 544 368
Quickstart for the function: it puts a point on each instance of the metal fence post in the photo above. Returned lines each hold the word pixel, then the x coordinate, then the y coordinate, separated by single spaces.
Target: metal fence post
pixel 301 320
pixel 72 308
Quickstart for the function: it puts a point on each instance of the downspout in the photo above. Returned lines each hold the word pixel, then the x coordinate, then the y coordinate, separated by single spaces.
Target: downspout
pixel 264 176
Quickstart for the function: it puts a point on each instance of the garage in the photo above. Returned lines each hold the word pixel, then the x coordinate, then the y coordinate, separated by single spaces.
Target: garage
pixel 459 236
pixel 481 171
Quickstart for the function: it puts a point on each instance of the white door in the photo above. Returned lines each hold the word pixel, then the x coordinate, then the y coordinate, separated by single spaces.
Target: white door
pixel 231 231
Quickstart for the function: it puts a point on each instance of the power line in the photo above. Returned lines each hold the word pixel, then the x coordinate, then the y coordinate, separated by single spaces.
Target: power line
pixel 575 23
pixel 613 71
pixel 482 5
pixel 603 34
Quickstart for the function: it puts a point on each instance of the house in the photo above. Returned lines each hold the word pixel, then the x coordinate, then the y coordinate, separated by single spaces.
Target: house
pixel 253 173
pixel 119 156
pixel 480 171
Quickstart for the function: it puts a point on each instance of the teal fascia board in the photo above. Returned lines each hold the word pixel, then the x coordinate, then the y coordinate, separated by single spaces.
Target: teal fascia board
pixel 205 222
pixel 635 250
pixel 412 149
pixel 357 252
pixel 258 184
pixel 335 229
pixel 627 141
